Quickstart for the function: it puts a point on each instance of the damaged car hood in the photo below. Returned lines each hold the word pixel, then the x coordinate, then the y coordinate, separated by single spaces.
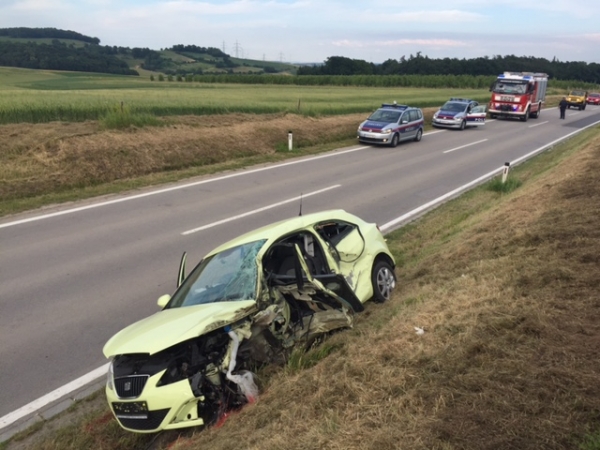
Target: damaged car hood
pixel 171 326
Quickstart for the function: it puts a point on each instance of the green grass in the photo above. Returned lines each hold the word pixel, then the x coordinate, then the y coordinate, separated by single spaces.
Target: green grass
pixel 120 117
pixel 511 183
pixel 44 96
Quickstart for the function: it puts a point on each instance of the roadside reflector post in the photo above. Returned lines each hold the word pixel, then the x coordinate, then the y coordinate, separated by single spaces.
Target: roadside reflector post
pixel 505 172
pixel 290 140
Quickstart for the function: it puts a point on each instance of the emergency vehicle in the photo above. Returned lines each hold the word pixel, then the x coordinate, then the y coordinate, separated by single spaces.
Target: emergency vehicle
pixel 518 94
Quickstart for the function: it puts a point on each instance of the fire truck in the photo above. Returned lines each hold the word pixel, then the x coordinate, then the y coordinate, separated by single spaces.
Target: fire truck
pixel 518 94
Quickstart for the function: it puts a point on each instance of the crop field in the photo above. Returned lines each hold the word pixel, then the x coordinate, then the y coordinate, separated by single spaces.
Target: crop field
pixel 45 96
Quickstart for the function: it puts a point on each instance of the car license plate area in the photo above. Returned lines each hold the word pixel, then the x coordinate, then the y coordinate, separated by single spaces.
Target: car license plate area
pixel 131 410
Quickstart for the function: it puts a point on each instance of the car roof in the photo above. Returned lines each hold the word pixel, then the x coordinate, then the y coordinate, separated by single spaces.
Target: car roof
pixel 396 106
pixel 276 230
pixel 461 100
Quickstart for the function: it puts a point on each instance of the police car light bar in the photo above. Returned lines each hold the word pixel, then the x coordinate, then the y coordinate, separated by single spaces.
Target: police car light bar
pixel 393 105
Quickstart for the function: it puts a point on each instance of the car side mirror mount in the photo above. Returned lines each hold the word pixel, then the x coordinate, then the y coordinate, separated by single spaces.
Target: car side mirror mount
pixel 163 300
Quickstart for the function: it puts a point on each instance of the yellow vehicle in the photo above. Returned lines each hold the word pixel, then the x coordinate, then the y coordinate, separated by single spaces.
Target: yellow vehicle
pixel 577 98
pixel 246 304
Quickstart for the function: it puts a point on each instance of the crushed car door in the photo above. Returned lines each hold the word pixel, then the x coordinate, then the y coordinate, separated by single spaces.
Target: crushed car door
pixel 332 284
pixel 346 245
pixel 476 116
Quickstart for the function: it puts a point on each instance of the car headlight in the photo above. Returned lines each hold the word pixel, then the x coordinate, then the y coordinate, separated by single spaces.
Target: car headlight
pixel 386 131
pixel 110 376
pixel 435 116
pixel 459 117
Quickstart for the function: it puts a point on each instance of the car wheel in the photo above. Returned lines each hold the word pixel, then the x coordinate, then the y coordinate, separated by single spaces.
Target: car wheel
pixel 493 116
pixel 463 124
pixel 395 140
pixel 526 116
pixel 419 135
pixel 383 279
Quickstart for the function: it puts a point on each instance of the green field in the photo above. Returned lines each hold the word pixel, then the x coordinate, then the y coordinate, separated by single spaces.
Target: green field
pixel 42 96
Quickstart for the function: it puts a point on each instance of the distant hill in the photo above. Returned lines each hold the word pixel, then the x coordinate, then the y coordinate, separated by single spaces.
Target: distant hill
pixel 51 33
pixel 54 49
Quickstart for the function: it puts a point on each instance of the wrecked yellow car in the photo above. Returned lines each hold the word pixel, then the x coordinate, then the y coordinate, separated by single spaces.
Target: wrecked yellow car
pixel 246 304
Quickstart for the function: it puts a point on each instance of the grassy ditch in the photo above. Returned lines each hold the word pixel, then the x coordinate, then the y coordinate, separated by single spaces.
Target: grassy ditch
pixel 505 285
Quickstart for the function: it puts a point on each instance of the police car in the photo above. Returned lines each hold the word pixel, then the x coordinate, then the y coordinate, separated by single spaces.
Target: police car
pixel 391 124
pixel 459 113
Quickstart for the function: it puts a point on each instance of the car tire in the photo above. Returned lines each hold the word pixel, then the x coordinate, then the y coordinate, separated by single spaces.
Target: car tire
pixel 525 117
pixel 383 279
pixel 419 135
pixel 493 116
pixel 395 140
pixel 463 125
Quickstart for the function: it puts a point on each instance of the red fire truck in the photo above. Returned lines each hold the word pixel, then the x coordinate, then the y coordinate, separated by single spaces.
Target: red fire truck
pixel 518 94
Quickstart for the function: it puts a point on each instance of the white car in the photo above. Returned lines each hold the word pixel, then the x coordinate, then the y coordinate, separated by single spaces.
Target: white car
pixel 392 124
pixel 459 113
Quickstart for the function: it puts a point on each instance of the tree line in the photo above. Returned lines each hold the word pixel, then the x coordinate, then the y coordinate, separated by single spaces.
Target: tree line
pixel 60 56
pixel 49 33
pixel 484 66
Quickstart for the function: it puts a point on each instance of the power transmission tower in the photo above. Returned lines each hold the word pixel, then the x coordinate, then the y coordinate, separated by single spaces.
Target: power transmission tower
pixel 237 47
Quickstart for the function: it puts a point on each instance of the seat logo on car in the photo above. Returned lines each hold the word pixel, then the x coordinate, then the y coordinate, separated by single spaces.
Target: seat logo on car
pixel 127 386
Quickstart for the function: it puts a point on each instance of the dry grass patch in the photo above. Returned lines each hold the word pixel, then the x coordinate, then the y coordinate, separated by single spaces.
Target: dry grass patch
pixel 45 158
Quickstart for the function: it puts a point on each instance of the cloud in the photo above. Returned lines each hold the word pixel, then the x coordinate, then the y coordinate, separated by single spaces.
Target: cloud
pixel 436 43
pixel 444 16
pixel 38 6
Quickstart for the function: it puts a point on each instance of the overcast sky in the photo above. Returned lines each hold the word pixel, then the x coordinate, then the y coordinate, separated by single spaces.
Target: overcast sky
pixel 312 30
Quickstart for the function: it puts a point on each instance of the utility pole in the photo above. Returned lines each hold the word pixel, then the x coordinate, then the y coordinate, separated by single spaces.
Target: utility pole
pixel 237 47
pixel 280 56
pixel 224 47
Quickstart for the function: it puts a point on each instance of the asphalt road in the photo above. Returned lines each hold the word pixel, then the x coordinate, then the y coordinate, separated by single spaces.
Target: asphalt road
pixel 69 281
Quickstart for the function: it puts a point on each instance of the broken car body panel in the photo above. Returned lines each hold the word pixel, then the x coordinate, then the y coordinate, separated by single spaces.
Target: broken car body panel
pixel 247 303
pixel 169 327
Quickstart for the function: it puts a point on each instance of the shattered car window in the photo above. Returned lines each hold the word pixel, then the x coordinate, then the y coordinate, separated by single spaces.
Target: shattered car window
pixel 227 276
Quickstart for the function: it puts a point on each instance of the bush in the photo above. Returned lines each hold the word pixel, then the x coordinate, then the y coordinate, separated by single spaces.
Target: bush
pixel 121 117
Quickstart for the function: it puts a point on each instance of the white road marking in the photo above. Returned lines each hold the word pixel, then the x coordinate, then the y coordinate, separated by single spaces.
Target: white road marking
pixel 264 208
pixel 175 188
pixel 464 146
pixel 96 374
pixel 61 392
pixel 435 132
pixel 538 124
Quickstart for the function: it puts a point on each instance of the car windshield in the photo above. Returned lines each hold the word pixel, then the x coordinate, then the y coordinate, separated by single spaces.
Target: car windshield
pixel 453 106
pixel 594 95
pixel 385 115
pixel 510 87
pixel 226 276
pixel 578 93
